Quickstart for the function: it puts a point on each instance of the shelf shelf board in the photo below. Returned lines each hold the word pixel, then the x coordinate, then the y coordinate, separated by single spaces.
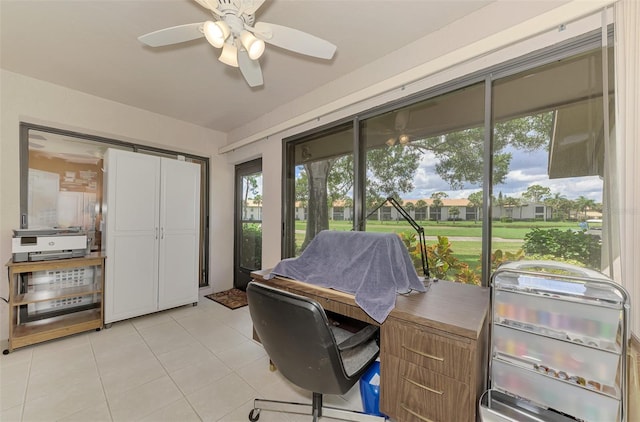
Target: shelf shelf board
pixel 46 295
pixel 614 348
pixel 59 264
pixel 47 329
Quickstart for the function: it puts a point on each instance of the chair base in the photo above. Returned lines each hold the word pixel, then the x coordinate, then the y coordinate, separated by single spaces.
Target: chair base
pixel 310 409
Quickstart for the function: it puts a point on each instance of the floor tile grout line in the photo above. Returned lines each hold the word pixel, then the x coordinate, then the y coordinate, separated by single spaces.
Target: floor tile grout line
pixel 104 391
pixel 166 372
pixel 26 387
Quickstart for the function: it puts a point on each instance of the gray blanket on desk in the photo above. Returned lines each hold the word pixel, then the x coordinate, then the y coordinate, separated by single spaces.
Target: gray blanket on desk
pixel 371 266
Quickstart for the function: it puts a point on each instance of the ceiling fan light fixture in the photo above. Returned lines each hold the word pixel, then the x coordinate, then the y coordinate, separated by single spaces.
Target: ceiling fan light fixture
pixel 391 142
pixel 253 45
pixel 403 139
pixel 229 55
pixel 216 32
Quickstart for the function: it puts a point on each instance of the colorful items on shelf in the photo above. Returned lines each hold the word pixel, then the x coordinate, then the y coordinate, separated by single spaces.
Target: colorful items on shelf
pixel 556 321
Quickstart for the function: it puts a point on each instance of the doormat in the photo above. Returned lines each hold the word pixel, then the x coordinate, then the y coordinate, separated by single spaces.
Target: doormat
pixel 232 299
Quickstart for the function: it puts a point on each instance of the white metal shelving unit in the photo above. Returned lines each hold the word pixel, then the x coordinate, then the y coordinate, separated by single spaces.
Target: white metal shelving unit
pixel 559 336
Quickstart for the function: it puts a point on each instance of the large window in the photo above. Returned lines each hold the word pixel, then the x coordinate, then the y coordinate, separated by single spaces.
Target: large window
pixel 548 149
pixel 320 177
pixel 428 155
pixel 506 164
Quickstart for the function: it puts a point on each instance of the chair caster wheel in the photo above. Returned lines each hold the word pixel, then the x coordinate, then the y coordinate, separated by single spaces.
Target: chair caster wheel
pixel 5 352
pixel 254 415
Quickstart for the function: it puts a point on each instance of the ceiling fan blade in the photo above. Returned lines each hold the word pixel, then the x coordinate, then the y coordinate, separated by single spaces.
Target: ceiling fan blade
pixel 173 35
pixel 294 40
pixel 250 69
pixel 250 7
pixel 203 3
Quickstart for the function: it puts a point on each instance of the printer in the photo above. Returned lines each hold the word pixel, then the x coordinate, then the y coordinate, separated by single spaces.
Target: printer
pixel 48 244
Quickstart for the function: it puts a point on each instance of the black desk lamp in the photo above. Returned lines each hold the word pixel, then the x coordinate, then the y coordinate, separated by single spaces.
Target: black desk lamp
pixel 419 229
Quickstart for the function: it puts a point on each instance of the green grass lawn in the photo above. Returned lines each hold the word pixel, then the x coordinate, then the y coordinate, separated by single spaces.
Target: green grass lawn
pixel 466 250
pixel 450 229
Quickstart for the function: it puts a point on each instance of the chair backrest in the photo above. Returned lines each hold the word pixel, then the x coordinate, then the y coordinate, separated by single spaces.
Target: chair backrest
pixel 296 335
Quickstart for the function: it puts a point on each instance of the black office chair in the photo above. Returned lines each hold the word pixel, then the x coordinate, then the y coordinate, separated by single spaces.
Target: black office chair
pixel 309 351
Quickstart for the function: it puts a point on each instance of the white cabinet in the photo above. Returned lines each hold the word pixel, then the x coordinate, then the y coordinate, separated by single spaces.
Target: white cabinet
pixel 151 211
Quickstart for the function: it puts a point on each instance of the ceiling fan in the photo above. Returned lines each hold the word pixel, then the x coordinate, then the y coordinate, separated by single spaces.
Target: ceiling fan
pixel 240 37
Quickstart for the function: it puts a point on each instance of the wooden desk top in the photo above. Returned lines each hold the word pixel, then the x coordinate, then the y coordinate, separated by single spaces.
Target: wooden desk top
pixel 452 307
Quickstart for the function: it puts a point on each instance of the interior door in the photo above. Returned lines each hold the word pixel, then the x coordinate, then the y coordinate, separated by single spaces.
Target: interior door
pixel 248 222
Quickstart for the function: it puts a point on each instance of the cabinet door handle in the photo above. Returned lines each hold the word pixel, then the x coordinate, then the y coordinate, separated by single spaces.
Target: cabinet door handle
pixel 156 233
pixel 424 387
pixel 426 355
pixel 162 233
pixel 404 406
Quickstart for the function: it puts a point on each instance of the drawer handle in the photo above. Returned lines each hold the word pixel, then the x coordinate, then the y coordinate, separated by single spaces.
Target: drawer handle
pixel 415 414
pixel 424 387
pixel 426 355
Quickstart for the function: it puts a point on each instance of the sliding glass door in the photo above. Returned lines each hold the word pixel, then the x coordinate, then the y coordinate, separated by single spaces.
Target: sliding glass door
pixel 248 222
pixel 505 164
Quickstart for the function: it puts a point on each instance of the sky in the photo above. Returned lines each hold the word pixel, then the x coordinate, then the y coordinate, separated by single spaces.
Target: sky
pixel 526 169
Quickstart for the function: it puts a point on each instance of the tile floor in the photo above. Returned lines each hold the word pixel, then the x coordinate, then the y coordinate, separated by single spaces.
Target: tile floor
pixel 185 364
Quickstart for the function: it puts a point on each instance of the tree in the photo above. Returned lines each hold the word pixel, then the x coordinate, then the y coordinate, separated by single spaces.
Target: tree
pixel 421 206
pixel 437 202
pixel 536 193
pixel 389 173
pixel 454 212
pixel 340 179
pixel 460 154
pixel 556 202
pixel 302 188
pixel 584 204
pixel 390 170
pixel 475 200
pixel 257 200
pixel 249 186
pixel 317 207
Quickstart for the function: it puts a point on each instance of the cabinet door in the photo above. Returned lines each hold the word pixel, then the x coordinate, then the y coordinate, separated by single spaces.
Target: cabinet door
pixel 132 230
pixel 179 233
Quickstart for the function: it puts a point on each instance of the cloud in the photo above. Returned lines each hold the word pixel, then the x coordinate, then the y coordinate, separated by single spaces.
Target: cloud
pixel 526 169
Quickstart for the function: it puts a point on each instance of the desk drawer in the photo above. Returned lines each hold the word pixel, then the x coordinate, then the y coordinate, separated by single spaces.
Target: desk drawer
pixel 429 396
pixel 443 355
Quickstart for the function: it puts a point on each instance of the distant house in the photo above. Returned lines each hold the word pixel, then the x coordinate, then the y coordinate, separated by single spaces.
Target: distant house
pixel 252 211
pixel 342 210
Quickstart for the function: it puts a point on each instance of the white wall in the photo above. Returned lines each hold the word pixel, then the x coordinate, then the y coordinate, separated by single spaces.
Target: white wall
pixel 24 99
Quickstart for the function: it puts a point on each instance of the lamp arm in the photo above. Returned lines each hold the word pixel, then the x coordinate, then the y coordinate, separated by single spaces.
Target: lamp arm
pixel 405 214
pixel 361 225
pixel 421 238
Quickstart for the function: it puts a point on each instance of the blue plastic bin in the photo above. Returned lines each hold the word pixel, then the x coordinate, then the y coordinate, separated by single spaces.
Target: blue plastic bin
pixel 370 390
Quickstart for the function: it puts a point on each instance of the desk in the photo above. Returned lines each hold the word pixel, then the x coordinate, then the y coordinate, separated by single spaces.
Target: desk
pixel 433 347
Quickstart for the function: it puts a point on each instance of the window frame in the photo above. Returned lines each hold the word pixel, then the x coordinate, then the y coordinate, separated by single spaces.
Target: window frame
pixel 26 127
pixel 563 50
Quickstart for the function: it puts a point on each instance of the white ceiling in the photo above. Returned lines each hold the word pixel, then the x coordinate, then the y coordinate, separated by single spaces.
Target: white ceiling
pixel 92 46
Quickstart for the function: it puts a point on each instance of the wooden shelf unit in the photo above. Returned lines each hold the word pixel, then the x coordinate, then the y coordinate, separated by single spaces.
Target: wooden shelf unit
pixel 26 333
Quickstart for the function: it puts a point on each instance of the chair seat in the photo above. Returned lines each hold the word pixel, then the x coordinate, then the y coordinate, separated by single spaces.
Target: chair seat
pixel 353 360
